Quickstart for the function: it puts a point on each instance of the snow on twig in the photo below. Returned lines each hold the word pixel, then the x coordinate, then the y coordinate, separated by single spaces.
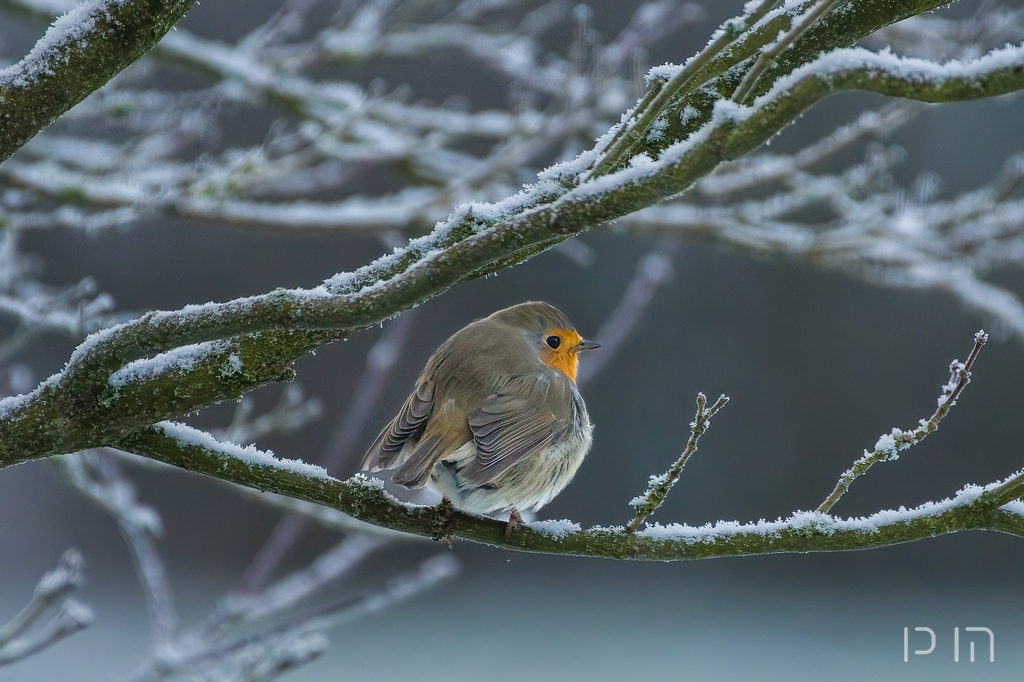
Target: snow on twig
pixel 659 486
pixel 54 591
pixel 889 446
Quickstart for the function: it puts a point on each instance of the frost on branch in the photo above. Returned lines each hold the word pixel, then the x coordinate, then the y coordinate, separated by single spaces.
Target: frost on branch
pixel 131 153
pixel 874 229
pixel 659 486
pixel 175 163
pixel 250 634
pixel 341 129
pixel 889 445
pixel 993 506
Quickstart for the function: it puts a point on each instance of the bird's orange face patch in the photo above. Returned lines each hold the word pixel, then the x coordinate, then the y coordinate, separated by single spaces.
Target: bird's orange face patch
pixel 558 350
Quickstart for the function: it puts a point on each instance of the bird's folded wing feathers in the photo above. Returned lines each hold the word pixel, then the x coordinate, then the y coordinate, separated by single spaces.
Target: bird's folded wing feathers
pixel 387 451
pixel 527 416
pixel 414 472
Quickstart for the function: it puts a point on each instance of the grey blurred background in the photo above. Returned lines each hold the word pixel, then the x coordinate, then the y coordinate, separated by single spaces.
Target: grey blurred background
pixel 817 364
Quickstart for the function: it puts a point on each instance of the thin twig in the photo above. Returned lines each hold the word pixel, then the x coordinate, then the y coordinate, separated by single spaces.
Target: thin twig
pixel 319 617
pixel 292 412
pixel 72 617
pixel 276 600
pixel 213 643
pixel 141 542
pixel 52 589
pixel 333 564
pixel 889 446
pixel 770 52
pixel 648 112
pixel 659 486
pixel 96 474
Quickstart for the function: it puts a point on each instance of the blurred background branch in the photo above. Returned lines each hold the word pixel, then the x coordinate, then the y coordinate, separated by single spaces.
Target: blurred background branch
pixel 53 592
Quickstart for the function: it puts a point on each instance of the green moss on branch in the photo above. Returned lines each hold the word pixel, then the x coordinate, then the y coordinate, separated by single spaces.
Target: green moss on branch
pixel 59 74
pixel 364 500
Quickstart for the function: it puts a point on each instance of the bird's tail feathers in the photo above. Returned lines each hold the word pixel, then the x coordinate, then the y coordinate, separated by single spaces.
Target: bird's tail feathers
pixel 413 473
pixel 377 458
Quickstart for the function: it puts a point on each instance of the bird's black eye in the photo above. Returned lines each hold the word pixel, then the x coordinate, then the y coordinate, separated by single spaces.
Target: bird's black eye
pixel 553 341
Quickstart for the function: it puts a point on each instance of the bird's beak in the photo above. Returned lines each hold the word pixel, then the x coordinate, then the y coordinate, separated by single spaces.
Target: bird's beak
pixel 585 345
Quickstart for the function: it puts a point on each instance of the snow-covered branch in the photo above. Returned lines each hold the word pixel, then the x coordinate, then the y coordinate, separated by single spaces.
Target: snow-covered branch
pixel 165 364
pixel 931 36
pixel 81 51
pixel 810 13
pixel 174 165
pixel 477 239
pixel 872 228
pixel 991 507
pixel 337 129
pixel 466 165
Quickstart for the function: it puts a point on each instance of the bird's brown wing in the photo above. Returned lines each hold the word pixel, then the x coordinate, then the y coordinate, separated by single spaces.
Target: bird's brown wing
pixel 527 416
pixel 406 428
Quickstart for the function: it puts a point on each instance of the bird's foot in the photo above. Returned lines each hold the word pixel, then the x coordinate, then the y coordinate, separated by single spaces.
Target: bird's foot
pixel 515 520
pixel 445 510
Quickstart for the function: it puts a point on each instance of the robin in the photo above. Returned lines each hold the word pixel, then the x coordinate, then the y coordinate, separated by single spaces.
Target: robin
pixel 496 423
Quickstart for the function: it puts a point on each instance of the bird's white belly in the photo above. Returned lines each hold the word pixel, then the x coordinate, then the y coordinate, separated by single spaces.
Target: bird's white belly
pixel 527 485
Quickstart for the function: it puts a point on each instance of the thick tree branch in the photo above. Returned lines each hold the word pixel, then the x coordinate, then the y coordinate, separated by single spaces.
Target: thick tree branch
pixel 70 412
pixel 122 380
pixel 77 415
pixel 80 52
pixel 973 508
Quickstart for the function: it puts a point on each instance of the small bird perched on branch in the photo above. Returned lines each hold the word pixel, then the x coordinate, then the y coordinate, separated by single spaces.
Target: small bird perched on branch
pixel 496 423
